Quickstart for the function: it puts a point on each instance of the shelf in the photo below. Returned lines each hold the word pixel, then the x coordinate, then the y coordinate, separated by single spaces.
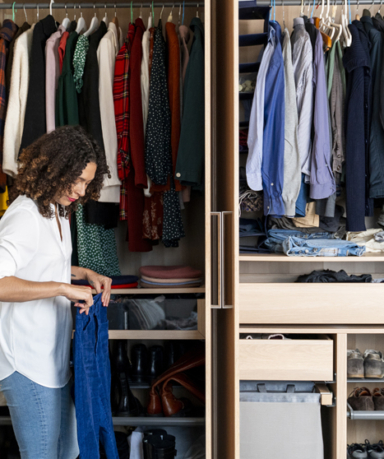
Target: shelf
pixel 155 291
pixel 276 257
pixel 158 421
pixel 155 334
pixel 140 421
pixel 362 380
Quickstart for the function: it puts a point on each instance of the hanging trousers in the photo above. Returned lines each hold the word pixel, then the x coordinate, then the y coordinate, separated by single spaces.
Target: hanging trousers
pixel 93 383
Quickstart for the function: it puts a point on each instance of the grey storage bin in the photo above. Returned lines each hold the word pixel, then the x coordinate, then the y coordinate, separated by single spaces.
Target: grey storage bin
pixel 280 419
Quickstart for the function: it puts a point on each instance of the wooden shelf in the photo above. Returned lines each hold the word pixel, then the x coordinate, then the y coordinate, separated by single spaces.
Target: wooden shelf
pixel 140 421
pixel 155 334
pixel 369 257
pixel 155 291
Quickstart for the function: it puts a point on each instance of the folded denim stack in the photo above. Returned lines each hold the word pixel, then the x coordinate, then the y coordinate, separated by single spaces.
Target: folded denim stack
pixel 117 282
pixel 170 277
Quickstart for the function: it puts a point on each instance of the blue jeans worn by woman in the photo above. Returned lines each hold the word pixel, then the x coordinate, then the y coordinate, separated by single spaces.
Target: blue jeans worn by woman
pixel 43 419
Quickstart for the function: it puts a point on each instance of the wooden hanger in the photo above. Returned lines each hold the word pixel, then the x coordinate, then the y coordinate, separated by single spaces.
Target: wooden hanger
pixel 116 22
pixel 357 17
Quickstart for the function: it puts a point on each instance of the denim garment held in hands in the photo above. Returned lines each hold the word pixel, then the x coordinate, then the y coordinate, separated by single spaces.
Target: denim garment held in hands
pixel 93 383
pixel 276 237
pixel 299 247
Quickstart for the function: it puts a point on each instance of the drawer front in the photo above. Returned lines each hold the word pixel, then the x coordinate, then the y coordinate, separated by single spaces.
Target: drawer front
pixel 279 360
pixel 311 303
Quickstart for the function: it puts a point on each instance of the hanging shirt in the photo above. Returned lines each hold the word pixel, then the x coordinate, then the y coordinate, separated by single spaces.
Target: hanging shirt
pixel 52 73
pixel 106 54
pixel 358 69
pixel 35 336
pixel 273 141
pixel 61 49
pixel 7 32
pixel 322 181
pixel 302 61
pixel 292 166
pixel 35 119
pixel 17 102
pixel 256 120
pixel 8 66
pixel 79 59
pixel 144 78
pixel 67 111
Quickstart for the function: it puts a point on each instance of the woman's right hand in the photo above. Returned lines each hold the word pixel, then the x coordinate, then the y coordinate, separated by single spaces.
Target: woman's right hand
pixel 76 293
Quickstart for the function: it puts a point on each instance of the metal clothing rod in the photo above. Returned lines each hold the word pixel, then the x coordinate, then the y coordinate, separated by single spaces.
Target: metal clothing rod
pixel 8 6
pixel 332 2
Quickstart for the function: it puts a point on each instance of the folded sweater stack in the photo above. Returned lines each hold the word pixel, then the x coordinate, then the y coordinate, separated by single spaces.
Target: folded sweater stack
pixel 117 282
pixel 170 277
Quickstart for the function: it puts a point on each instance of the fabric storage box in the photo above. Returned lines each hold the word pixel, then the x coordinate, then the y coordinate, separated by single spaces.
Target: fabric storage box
pixel 280 420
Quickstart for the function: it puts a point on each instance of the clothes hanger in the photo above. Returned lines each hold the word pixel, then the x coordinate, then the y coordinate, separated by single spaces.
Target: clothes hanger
pixel 282 2
pixel 339 27
pixel 302 9
pixel 131 12
pixel 50 6
pixel 183 11
pixel 94 24
pixel 141 12
pixel 13 11
pixel 197 11
pixel 105 18
pixel 66 20
pixel 116 22
pixel 313 8
pixel 170 17
pixel 331 30
pixel 25 13
pixel 81 25
pixel 357 17
pixel 344 21
pixel 150 17
pixel 161 14
pixel 179 19
pixel 37 13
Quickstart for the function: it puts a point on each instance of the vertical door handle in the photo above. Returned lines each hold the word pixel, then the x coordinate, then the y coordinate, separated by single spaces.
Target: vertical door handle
pixel 216 260
pixel 227 261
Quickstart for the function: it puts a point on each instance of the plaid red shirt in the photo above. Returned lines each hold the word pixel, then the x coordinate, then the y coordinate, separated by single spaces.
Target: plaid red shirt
pixel 121 101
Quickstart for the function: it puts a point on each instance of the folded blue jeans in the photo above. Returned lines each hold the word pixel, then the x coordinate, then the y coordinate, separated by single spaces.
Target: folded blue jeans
pixel 299 247
pixel 93 383
pixel 276 237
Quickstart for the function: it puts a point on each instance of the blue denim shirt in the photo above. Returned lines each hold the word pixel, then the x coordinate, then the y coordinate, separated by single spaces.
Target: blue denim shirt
pixel 322 180
pixel 273 135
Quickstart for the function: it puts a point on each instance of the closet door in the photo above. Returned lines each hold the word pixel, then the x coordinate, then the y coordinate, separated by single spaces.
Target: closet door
pixel 224 201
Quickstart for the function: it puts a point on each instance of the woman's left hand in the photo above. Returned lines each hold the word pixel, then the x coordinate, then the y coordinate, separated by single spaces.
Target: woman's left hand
pixel 97 281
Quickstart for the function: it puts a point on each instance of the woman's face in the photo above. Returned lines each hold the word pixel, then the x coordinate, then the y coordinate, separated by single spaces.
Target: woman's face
pixel 79 187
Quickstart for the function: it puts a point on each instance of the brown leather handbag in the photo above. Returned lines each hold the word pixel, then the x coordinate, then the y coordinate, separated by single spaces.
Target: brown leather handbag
pixel 173 405
pixel 192 359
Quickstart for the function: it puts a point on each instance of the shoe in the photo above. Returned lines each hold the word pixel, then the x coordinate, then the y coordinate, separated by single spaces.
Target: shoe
pixel 375 451
pixel 128 405
pixel 172 353
pixel 147 447
pixel 139 362
pixel 356 451
pixel 156 361
pixel 361 399
pixel 378 399
pixel 355 364
pixel 373 364
pixel 162 446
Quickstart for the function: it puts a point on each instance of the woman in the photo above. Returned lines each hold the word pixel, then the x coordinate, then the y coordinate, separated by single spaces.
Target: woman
pixel 56 173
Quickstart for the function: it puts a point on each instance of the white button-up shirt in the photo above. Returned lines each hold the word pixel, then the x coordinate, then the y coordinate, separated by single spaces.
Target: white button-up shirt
pixel 256 120
pixel 35 336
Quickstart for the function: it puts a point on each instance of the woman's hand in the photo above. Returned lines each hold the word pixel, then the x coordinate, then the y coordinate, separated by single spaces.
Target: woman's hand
pixel 97 281
pixel 76 293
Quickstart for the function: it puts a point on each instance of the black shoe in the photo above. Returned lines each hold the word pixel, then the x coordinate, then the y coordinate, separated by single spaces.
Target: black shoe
pixel 172 353
pixel 128 405
pixel 156 361
pixel 147 448
pixel 162 446
pixel 139 360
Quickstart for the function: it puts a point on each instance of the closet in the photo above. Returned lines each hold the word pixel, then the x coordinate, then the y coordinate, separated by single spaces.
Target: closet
pixel 194 249
pixel 262 296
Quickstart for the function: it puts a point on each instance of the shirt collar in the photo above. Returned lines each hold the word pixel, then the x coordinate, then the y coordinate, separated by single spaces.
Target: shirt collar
pixel 355 55
pixel 8 30
pixel 298 22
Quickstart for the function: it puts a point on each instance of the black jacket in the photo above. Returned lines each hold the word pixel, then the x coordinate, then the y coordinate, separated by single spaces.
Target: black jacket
pixel 357 66
pixel 35 123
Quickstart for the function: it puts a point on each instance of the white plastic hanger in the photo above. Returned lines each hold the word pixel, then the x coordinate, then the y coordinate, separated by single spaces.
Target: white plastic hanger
pixel 197 11
pixel 170 17
pixel 37 13
pixel 344 22
pixel 357 16
pixel 338 27
pixel 94 24
pixel 25 13
pixel 302 8
pixel 141 12
pixel 150 19
pixel 161 14
pixel 331 29
pixel 50 6
pixel 66 20
pixel 81 25
pixel 105 18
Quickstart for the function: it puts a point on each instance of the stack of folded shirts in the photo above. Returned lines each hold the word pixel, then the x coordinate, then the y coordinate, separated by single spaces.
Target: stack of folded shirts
pixel 170 277
pixel 117 282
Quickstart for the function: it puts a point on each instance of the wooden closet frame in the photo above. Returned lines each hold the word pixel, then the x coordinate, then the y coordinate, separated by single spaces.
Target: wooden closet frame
pixel 263 304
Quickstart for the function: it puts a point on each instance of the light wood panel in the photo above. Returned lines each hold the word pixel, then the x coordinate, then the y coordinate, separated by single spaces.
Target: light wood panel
pixel 340 439
pixel 285 360
pixel 319 329
pixel 282 258
pixel 311 303
pixel 155 334
pixel 326 396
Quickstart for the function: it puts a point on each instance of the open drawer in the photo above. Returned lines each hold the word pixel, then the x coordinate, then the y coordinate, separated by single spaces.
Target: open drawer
pixel 321 303
pixel 286 360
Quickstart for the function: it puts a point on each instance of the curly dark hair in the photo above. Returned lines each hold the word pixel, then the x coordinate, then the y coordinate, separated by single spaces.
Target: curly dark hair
pixel 50 166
